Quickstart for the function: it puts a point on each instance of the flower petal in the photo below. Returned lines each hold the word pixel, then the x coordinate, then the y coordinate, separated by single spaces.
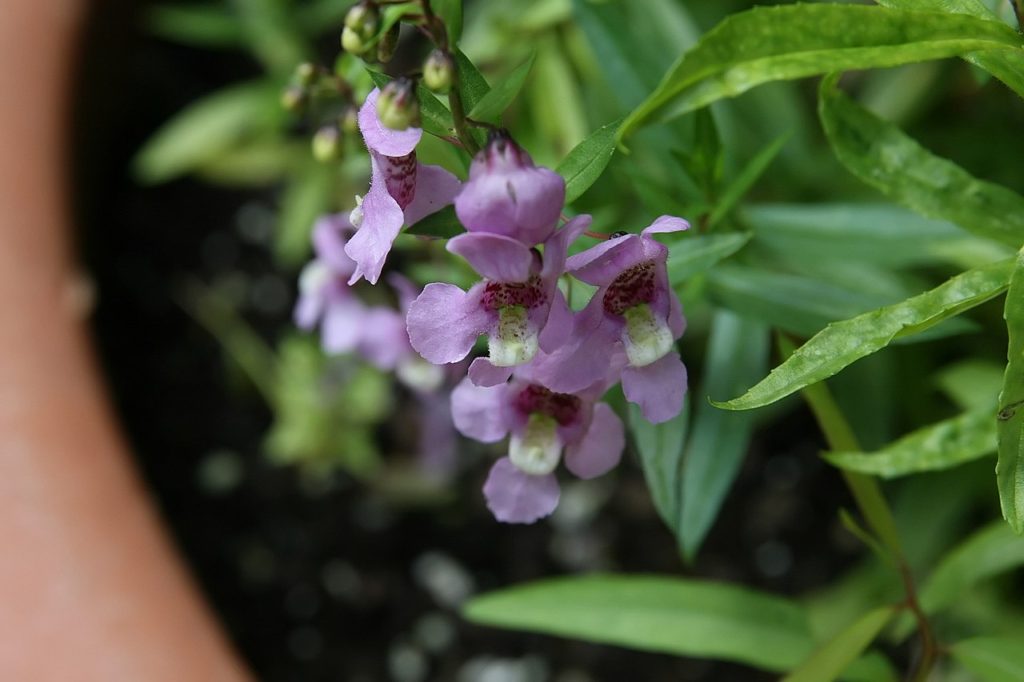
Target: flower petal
pixel 557 329
pixel 381 139
pixel 601 264
pixel 330 233
pixel 494 256
pixel 601 447
pixel 479 412
pixel 444 322
pixel 435 189
pixel 666 223
pixel 658 388
pixel 517 497
pixel 484 373
pixel 382 221
pixel 342 326
pixel 557 246
pixel 384 340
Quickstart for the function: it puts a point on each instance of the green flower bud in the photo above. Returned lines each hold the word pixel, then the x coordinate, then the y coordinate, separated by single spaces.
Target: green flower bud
pixel 294 98
pixel 349 121
pixel 327 144
pixel 397 106
pixel 439 72
pixel 363 18
pixel 351 42
pixel 305 74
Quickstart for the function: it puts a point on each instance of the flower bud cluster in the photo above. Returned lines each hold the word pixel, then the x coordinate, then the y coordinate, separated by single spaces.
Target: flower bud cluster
pixel 546 366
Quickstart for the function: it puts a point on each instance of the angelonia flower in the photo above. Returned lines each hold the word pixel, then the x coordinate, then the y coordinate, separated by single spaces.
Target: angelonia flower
pixel 546 367
pixel 632 321
pixel 541 425
pixel 402 191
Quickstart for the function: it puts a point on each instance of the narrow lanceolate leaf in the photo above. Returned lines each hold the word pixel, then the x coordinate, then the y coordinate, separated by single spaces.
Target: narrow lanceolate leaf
pixel 202 26
pixel 830 660
pixel 660 447
pixel 492 105
pixel 1010 418
pixel 670 615
pixel 737 356
pixel 938 446
pixel 881 155
pixel 843 343
pixel 992 659
pixel 987 553
pixel 746 179
pixel 587 160
pixel 472 83
pixel 792 41
pixel 692 255
pixel 443 224
pixel 1006 65
pixel 202 130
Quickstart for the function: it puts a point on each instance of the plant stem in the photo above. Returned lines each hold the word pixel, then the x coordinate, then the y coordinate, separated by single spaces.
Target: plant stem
pixel 872 504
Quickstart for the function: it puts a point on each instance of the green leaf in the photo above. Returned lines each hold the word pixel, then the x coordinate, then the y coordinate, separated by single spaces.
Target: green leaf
pixel 737 355
pixel 197 25
pixel 793 41
pixel 670 615
pixel 492 105
pixel 746 179
pixel 692 255
pixel 271 34
pixel 971 383
pixel 472 83
pixel 436 119
pixel 843 343
pixel 450 12
pixel 870 232
pixel 829 661
pixel 587 160
pixel 1010 419
pixel 443 224
pixel 993 659
pixel 795 303
pixel 205 128
pixel 1006 65
pixel 946 444
pixel 989 552
pixel 881 155
pixel 660 447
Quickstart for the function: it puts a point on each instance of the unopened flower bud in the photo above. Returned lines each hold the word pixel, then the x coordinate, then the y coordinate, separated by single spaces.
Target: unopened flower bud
pixel 305 74
pixel 351 42
pixel 439 72
pixel 349 121
pixel 397 106
pixel 363 18
pixel 327 144
pixel 387 44
pixel 293 98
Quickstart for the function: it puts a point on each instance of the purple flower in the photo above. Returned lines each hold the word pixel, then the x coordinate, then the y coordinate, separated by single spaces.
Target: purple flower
pixel 325 298
pixel 507 195
pixel 402 191
pixel 522 488
pixel 632 323
pixel 517 305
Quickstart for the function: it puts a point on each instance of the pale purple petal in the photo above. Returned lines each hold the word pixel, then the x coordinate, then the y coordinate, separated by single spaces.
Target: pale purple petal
pixel 658 388
pixel 381 139
pixel 384 340
pixel 444 322
pixel 484 373
pixel 479 412
pixel 601 264
pixel 586 358
pixel 494 256
pixel 557 329
pixel 382 221
pixel 676 320
pixel 330 233
pixel 342 326
pixel 516 497
pixel 309 309
pixel 435 189
pixel 556 247
pixel 601 447
pixel 666 223
pixel 405 289
pixel 438 444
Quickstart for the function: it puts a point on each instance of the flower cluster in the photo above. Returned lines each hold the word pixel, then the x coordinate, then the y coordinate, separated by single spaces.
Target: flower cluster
pixel 546 366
